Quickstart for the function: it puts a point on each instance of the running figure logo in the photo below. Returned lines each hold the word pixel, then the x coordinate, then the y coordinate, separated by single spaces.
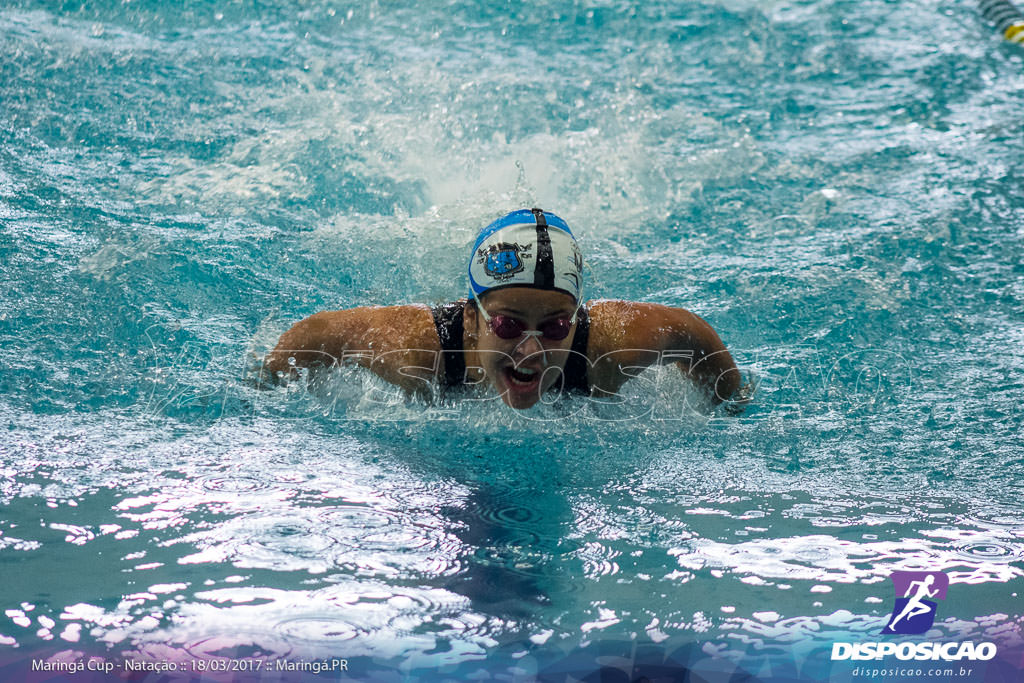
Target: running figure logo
pixel 913 612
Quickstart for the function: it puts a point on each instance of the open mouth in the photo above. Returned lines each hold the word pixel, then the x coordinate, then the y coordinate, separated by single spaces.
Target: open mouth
pixel 522 377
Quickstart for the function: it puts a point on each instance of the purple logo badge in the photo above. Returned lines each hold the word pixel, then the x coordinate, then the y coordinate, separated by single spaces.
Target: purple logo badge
pixel 916 592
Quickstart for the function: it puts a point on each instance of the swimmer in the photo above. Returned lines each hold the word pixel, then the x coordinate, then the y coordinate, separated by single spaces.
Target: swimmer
pixel 524 329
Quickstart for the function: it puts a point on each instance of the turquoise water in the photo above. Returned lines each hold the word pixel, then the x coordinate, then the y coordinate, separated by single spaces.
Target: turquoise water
pixel 834 186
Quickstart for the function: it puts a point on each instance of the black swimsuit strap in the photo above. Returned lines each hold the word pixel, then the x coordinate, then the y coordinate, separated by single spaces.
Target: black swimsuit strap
pixel 576 367
pixel 448 321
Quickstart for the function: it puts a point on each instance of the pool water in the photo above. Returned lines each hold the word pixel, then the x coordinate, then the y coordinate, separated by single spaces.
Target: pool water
pixel 835 186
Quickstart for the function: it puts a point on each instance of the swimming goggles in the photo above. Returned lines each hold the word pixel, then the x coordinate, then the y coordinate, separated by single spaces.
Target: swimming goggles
pixel 507 327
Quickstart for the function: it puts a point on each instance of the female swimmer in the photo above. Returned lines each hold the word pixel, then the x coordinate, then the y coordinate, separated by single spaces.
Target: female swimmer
pixel 523 331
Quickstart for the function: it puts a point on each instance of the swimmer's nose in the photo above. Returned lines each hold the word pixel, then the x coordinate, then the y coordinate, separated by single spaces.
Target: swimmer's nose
pixel 531 345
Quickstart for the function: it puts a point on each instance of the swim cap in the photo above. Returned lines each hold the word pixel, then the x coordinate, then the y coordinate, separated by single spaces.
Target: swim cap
pixel 526 248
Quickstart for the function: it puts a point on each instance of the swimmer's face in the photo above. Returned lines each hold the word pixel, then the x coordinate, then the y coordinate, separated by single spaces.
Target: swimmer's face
pixel 522 369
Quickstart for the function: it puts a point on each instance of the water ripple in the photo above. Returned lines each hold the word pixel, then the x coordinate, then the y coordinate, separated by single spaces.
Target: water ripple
pixel 599 560
pixel 354 517
pixel 317 630
pixel 238 483
pixel 998 517
pixel 990 551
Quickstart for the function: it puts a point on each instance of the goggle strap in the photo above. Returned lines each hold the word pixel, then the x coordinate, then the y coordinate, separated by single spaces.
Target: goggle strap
pixel 480 307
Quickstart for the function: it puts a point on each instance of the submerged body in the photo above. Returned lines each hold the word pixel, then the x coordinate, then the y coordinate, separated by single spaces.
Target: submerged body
pixel 525 329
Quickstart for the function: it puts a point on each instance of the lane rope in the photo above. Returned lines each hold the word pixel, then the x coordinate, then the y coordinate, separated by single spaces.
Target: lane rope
pixel 1008 19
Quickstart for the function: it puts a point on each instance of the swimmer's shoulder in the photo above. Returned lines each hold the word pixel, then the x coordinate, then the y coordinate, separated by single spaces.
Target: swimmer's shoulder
pixel 619 340
pixel 616 325
pixel 628 335
pixel 633 330
pixel 370 327
pixel 385 338
pixel 403 345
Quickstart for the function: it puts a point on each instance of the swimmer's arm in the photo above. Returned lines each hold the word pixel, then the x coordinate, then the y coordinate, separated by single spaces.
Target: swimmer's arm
pixel 320 340
pixel 627 336
pixel 701 354
pixel 398 343
pixel 643 334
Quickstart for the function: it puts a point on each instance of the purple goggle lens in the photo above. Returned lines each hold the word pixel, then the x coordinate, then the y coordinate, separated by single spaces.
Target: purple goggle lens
pixel 512 328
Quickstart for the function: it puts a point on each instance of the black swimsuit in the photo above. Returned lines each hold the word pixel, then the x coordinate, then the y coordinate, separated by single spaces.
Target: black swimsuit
pixel 448 321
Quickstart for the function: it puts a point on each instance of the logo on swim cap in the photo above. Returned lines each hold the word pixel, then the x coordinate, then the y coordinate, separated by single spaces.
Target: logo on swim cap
pixel 502 261
pixel 527 248
pixel 577 262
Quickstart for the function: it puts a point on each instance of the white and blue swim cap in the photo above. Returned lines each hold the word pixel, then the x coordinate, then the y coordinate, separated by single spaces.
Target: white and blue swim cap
pixel 527 248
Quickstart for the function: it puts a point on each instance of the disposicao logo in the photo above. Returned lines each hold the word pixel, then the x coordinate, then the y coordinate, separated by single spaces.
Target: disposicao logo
pixel 913 612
